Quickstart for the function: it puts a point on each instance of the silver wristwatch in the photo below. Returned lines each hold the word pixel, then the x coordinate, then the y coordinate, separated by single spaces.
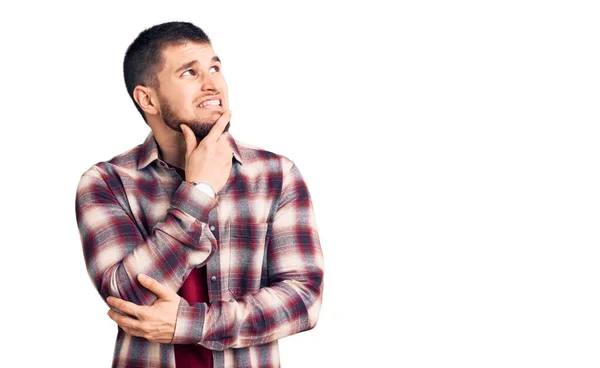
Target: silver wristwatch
pixel 205 187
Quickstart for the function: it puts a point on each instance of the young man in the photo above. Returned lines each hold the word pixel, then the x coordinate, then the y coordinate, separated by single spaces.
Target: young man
pixel 205 248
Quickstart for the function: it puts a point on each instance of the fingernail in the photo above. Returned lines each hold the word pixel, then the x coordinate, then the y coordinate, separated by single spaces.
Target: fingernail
pixel 141 276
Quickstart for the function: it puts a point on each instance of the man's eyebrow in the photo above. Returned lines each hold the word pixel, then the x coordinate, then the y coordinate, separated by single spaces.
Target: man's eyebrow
pixel 189 64
pixel 186 65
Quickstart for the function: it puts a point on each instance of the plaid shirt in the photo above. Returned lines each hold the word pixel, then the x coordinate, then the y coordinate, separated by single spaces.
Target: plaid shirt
pixel 259 242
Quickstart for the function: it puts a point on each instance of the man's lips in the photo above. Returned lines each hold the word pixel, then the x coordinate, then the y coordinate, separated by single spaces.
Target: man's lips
pixel 210 103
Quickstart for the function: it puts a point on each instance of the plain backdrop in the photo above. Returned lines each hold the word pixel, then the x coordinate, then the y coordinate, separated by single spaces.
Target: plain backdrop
pixel 451 150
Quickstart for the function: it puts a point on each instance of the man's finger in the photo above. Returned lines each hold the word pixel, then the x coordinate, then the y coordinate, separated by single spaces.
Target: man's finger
pixel 225 143
pixel 133 331
pixel 217 129
pixel 125 306
pixel 124 321
pixel 162 292
pixel 190 138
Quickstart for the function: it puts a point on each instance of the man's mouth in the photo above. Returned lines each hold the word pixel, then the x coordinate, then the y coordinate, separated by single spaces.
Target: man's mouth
pixel 210 104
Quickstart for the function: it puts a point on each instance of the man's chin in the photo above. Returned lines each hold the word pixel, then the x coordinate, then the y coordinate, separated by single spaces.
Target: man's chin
pixel 201 128
pixel 205 125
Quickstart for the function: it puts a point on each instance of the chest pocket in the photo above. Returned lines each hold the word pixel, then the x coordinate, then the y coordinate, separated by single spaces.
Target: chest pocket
pixel 247 243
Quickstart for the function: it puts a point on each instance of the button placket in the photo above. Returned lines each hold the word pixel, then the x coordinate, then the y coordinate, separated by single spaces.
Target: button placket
pixel 213 266
pixel 213 279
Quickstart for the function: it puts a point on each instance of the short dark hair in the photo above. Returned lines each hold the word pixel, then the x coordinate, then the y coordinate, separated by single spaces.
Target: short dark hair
pixel 143 59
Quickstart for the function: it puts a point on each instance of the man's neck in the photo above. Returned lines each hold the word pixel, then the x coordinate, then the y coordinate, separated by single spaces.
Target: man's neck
pixel 171 146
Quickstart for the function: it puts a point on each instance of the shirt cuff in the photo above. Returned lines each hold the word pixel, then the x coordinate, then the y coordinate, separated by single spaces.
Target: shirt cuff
pixel 206 188
pixel 190 323
pixel 195 202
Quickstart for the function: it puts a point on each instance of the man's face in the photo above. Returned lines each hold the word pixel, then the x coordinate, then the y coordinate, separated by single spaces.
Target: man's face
pixel 192 89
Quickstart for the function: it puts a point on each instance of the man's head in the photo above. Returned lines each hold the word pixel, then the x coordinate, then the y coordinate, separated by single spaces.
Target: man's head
pixel 173 76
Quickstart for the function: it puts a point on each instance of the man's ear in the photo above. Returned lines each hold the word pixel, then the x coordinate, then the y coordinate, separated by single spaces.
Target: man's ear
pixel 145 99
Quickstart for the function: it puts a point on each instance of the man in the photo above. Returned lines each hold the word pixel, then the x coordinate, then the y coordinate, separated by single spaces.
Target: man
pixel 205 248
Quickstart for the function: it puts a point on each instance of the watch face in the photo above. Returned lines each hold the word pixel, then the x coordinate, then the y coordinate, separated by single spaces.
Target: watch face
pixel 205 187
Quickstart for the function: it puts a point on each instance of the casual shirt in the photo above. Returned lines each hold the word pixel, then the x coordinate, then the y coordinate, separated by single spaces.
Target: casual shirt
pixel 258 242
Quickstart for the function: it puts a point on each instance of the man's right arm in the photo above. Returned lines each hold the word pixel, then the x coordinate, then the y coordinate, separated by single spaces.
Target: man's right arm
pixel 115 250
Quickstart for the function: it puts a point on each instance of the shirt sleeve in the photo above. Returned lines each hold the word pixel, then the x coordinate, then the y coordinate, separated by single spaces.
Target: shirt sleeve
pixel 116 251
pixel 291 302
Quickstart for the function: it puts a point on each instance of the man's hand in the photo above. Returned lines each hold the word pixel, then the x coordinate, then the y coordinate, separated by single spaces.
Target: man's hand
pixel 210 160
pixel 155 323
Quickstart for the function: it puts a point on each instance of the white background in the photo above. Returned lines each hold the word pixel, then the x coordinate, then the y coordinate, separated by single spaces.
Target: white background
pixel 451 149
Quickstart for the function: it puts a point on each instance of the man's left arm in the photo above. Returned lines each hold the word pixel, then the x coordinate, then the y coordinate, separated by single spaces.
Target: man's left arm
pixel 289 305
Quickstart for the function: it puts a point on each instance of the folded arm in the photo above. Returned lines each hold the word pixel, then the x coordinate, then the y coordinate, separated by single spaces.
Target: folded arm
pixel 116 251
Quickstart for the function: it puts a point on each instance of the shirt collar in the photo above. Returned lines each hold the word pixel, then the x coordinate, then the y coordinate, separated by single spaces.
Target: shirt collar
pixel 149 150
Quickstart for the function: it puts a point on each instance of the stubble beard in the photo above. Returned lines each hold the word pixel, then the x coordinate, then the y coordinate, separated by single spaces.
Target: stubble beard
pixel 200 127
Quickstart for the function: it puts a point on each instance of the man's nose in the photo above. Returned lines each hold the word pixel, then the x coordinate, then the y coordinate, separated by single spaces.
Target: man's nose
pixel 208 82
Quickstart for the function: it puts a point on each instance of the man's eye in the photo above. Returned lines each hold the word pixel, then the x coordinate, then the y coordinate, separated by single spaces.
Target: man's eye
pixel 191 71
pixel 215 68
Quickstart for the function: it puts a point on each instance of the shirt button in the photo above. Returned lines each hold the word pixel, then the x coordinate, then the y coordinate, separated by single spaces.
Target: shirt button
pixel 212 228
pixel 213 279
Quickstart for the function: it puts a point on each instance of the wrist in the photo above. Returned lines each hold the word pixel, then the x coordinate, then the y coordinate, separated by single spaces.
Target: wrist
pixel 204 187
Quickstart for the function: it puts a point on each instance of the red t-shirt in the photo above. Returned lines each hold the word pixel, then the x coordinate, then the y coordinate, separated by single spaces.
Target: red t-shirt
pixel 193 290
